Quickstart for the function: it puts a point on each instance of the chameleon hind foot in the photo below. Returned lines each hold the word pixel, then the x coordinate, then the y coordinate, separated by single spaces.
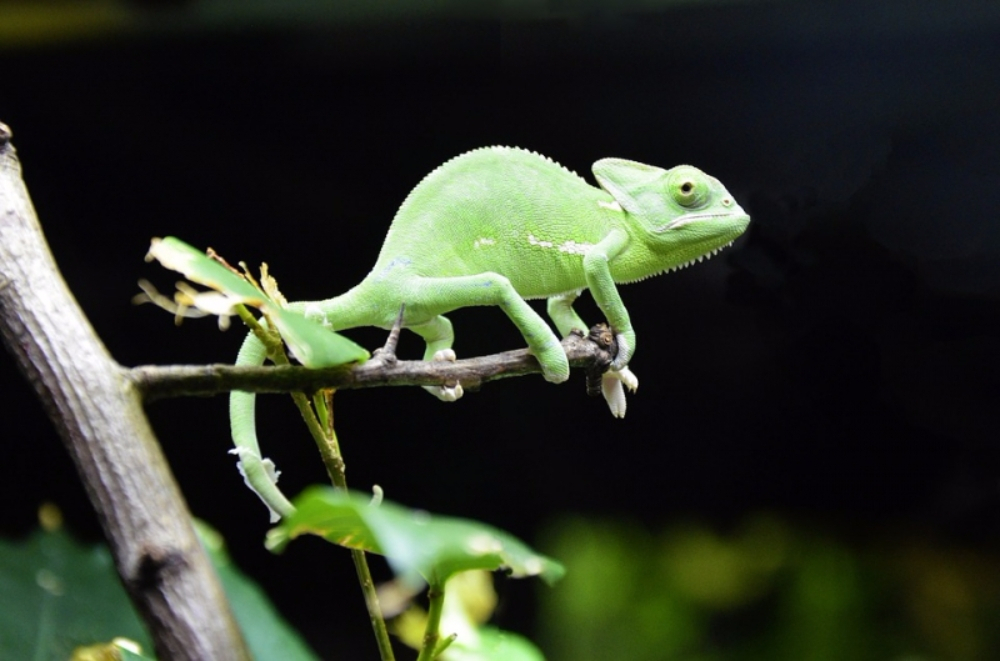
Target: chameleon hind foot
pixel 446 393
pixel 553 361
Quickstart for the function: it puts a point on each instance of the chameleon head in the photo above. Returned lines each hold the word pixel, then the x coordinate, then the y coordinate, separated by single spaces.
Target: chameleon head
pixel 681 214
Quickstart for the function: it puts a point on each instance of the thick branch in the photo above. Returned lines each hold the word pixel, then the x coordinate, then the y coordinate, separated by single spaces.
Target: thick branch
pixel 158 382
pixel 98 412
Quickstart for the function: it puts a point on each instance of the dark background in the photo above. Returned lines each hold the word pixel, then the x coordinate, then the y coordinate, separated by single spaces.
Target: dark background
pixel 838 365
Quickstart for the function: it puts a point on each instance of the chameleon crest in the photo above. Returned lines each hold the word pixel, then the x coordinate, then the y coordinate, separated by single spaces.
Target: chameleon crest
pixel 499 225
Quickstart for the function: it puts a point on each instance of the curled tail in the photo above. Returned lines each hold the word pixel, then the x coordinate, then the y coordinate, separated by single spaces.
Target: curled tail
pixel 258 472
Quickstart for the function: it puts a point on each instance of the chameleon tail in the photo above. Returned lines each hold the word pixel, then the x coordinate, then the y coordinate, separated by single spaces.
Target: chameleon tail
pixel 258 473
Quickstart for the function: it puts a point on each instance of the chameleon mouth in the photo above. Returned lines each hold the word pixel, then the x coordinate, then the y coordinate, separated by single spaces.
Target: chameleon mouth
pixel 687 219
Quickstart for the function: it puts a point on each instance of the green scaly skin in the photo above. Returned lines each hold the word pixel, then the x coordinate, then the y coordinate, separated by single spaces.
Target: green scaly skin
pixel 499 225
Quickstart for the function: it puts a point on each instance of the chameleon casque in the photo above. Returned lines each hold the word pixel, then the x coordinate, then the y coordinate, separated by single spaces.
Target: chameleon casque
pixel 499 225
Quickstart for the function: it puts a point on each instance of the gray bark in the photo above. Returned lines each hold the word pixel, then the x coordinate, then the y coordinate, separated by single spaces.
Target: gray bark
pixel 98 412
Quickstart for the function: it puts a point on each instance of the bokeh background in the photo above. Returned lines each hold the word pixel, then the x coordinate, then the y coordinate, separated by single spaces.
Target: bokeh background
pixel 810 468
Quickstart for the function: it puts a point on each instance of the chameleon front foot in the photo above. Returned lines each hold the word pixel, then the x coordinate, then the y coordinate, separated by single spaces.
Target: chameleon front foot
pixel 446 393
pixel 625 342
pixel 613 379
pixel 612 383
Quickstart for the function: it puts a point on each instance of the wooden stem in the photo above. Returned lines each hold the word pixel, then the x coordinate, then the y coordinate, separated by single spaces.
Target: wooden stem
pixel 98 412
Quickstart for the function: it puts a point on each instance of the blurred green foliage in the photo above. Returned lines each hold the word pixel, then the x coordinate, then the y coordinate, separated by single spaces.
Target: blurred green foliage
pixel 57 595
pixel 29 23
pixel 766 590
pixel 468 605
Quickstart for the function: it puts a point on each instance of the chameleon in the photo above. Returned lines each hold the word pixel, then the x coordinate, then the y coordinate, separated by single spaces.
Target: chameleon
pixel 499 225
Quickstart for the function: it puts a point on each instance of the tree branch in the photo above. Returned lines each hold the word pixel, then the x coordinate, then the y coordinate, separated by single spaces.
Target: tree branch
pixel 98 412
pixel 158 382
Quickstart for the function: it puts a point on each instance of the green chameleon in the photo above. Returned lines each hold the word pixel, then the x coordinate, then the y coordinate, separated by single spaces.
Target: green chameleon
pixel 499 225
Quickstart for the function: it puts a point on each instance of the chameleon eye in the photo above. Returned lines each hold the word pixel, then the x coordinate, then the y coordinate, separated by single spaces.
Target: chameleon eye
pixel 687 187
pixel 687 192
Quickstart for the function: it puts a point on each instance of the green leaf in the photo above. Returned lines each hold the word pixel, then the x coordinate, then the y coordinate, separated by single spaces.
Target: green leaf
pixel 495 645
pixel 57 595
pixel 198 267
pixel 418 546
pixel 312 344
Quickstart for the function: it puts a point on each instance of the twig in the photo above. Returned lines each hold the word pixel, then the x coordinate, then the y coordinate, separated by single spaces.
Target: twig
pixel 387 354
pixel 159 382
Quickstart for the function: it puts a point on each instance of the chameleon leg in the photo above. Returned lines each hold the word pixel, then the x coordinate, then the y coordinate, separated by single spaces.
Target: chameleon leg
pixel 439 336
pixel 566 319
pixel 562 314
pixel 494 289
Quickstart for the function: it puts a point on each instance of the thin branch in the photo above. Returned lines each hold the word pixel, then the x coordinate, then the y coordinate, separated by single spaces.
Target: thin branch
pixel 99 415
pixel 158 382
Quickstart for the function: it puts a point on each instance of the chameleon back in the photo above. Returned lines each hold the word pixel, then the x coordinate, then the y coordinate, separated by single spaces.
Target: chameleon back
pixel 501 210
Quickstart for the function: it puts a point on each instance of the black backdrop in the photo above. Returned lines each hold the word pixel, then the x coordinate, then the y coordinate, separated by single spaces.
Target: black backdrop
pixel 838 364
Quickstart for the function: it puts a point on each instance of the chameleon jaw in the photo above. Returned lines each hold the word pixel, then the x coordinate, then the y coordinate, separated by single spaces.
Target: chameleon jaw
pixel 689 218
pixel 678 267
pixel 700 258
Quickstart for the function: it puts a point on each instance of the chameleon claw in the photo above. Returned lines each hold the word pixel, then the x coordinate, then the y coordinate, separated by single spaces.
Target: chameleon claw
pixel 614 394
pixel 612 383
pixel 445 355
pixel 628 378
pixel 446 393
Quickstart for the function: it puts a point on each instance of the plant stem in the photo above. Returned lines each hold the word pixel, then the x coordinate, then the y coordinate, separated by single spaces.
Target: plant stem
pixel 435 606
pixel 326 441
pixel 444 644
pixel 329 449
pixel 374 609
pixel 318 416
